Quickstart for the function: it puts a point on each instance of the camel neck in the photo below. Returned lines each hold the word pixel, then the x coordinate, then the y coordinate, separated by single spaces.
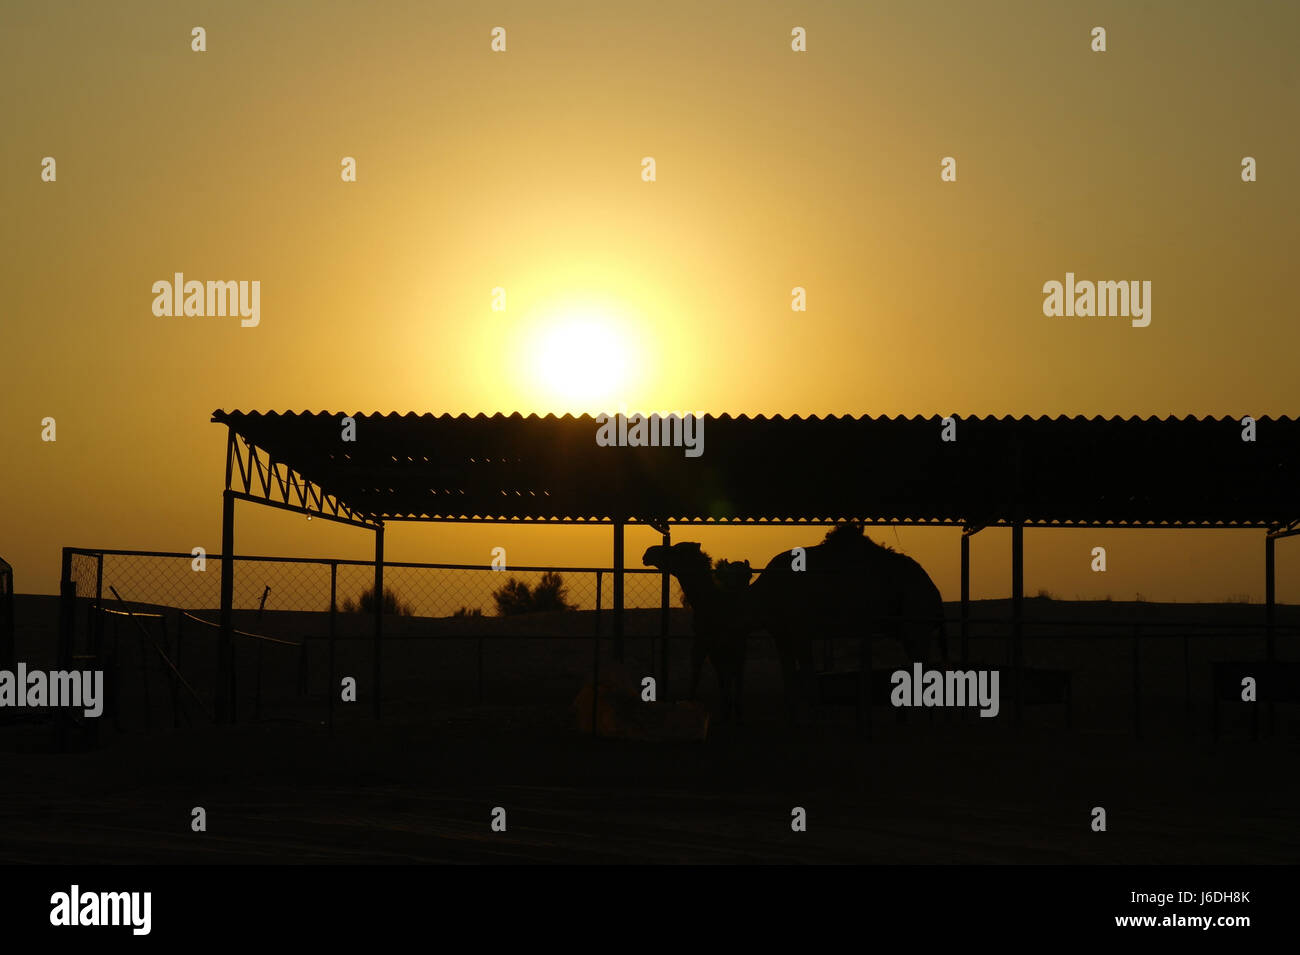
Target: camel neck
pixel 697 587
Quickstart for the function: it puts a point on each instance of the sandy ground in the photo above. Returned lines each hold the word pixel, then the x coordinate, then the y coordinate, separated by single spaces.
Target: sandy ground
pixel 420 786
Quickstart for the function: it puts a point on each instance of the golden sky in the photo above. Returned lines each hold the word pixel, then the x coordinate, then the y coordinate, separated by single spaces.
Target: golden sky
pixel 522 170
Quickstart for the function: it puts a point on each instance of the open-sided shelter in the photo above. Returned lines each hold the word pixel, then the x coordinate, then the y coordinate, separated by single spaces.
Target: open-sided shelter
pixel 965 472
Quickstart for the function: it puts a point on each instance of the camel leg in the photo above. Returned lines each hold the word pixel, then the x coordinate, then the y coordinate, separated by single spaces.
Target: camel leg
pixel 698 653
pixel 808 675
pixel 918 641
pixel 726 666
pixel 789 676
pixel 740 681
pixel 802 683
pixel 735 664
pixel 915 641
pixel 724 695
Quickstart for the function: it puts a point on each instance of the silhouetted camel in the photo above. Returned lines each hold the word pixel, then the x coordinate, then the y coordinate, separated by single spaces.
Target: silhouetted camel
pixel 728 649
pixel 716 596
pixel 848 584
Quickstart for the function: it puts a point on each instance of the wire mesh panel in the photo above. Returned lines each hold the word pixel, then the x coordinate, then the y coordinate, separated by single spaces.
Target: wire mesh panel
pixel 453 634
pixel 457 635
pixel 85 568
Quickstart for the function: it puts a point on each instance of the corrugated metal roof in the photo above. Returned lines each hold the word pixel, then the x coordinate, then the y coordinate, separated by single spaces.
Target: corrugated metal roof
pixel 1134 471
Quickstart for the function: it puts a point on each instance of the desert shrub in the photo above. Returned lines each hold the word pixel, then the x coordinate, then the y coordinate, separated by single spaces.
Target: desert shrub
pixel 466 612
pixel 551 594
pixel 515 596
pixel 366 603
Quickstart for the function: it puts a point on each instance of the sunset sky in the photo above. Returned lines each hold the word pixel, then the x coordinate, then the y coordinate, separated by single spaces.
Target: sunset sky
pixel 522 170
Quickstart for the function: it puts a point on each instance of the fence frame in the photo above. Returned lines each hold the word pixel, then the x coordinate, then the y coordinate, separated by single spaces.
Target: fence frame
pixel 226 686
pixel 1138 628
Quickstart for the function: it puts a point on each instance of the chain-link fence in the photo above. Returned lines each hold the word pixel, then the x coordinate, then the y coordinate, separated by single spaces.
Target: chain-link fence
pixel 301 626
pixel 452 637
pixel 304 584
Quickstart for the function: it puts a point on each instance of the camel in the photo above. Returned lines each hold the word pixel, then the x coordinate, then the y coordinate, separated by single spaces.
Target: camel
pixel 847 585
pixel 716 596
pixel 729 646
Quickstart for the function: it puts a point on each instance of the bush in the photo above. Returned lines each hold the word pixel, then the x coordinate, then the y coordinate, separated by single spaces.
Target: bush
pixel 550 593
pixel 516 597
pixel 513 597
pixel 366 603
pixel 466 612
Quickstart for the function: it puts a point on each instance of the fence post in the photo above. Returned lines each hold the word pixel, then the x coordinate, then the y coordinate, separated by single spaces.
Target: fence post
pixel 67 626
pixel 180 642
pixel 329 679
pixel 8 630
pixel 1017 611
pixel 302 666
pixel 90 626
pixel 480 669
pixel 116 694
pixel 595 658
pixel 96 635
pixel 665 595
pixel 171 674
pixel 67 607
pixel 234 683
pixel 1270 602
pixel 96 725
pixel 99 582
pixel 1270 598
pixel 144 680
pixel 618 590
pixel 965 596
pixel 1137 686
pixel 379 615
pixel 223 705
pixel 257 687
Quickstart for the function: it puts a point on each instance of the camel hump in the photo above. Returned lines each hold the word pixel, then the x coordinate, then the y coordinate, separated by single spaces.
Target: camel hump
pixel 918 586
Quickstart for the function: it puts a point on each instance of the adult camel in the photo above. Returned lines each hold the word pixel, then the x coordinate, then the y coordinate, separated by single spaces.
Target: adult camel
pixel 848 585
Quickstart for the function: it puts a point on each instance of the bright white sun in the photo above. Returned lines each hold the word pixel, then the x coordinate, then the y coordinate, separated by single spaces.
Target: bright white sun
pixel 581 361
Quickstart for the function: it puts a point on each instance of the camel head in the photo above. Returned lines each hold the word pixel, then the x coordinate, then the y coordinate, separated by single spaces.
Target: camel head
pixel 684 557
pixel 732 576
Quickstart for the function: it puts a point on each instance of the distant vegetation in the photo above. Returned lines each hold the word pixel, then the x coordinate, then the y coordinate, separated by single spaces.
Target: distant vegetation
pixel 466 612
pixel 515 596
pixel 366 604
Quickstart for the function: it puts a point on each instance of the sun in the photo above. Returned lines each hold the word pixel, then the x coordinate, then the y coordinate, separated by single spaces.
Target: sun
pixel 581 359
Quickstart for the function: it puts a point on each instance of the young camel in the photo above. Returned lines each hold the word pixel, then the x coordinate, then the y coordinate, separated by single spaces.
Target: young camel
pixel 716 596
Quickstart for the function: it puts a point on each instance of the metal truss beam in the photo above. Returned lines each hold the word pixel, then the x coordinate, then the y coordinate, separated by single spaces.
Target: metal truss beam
pixel 1289 529
pixel 276 484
